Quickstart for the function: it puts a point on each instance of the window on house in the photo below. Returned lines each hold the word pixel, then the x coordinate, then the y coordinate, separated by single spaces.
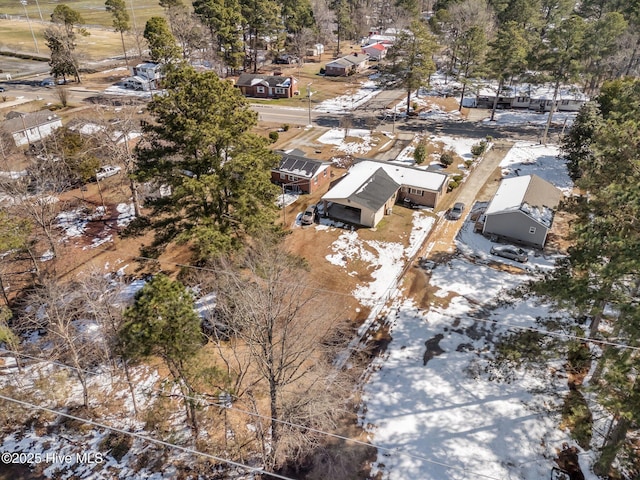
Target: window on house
pixel 315 180
pixel 283 176
pixel 565 102
pixel 280 91
pixel 324 173
pixel 292 178
pixel 532 230
pixel 260 89
pixel 415 191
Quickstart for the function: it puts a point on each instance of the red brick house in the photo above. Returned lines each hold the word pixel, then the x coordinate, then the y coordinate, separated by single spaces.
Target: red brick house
pixel 301 174
pixel 267 86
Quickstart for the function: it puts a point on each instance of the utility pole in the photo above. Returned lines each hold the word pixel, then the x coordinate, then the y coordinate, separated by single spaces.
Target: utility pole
pixel 309 100
pixel 24 5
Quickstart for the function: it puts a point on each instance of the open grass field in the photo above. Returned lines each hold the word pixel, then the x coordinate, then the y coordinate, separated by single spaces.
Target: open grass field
pixel 102 42
pixel 93 11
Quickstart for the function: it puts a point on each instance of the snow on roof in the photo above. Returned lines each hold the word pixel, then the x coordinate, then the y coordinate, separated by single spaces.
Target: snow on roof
pixel 524 194
pixel 510 194
pixel 362 171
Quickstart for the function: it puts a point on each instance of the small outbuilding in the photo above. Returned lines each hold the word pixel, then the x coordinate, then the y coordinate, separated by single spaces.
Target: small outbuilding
pixel 522 210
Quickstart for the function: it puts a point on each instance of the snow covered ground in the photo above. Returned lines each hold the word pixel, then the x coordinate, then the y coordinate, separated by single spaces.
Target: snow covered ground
pixel 337 136
pixel 345 103
pixel 432 403
pixel 436 413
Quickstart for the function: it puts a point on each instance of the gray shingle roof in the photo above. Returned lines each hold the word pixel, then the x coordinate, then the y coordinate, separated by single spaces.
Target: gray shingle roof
pixel 250 79
pixel 18 121
pixel 375 191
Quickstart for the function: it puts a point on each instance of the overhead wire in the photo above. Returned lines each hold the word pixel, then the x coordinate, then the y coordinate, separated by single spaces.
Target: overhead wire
pixel 143 437
pixel 379 300
pixel 291 424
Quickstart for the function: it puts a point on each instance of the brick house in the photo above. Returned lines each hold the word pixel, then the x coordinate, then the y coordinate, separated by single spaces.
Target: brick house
pixel 267 86
pixel 301 174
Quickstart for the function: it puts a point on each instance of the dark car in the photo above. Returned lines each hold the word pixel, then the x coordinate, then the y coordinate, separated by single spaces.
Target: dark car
pixel 309 215
pixel 510 252
pixel 456 212
pixel 1 89
pixel 407 202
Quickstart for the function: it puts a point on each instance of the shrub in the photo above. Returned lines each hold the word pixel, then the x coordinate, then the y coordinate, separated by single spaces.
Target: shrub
pixel 446 158
pixel 420 153
pixel 285 127
pixel 468 163
pixel 479 148
pixel 452 185
pixel 273 136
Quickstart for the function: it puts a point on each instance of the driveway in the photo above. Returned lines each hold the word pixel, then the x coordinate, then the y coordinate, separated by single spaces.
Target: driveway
pixel 441 239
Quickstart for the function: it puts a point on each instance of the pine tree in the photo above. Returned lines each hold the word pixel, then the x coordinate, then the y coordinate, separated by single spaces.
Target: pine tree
pixel 201 145
pixel 162 322
pixel 118 9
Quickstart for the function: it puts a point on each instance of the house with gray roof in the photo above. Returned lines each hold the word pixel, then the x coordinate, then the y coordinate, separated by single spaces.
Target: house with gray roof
pixel 522 210
pixel 267 86
pixel 301 174
pixel 370 189
pixel 347 65
pixel 27 128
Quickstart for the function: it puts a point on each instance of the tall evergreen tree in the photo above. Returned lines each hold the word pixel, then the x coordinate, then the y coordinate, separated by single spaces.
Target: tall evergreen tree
pixel 411 59
pixel 562 57
pixel 507 56
pixel 604 259
pixel 162 44
pixel 224 20
pixel 61 40
pixel 118 10
pixel 202 146
pixel 163 322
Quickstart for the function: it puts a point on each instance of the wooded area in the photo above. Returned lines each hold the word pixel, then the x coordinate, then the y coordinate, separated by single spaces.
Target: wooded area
pixel 264 354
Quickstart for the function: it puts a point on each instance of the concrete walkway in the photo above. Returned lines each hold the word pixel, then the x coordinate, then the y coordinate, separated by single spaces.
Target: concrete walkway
pixel 444 232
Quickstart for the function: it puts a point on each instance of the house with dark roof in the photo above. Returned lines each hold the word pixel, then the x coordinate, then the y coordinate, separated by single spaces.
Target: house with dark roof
pixel 301 174
pixel 348 65
pixel 522 210
pixel 27 128
pixel 369 190
pixel 267 86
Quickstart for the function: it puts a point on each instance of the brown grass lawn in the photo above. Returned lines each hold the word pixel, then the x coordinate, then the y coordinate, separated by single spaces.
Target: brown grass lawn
pixel 101 43
pixel 93 11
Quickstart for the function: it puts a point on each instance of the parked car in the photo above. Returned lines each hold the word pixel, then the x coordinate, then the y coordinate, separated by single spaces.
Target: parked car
pixel 510 252
pixel 407 202
pixel 107 171
pixel 1 89
pixel 309 215
pixel 456 211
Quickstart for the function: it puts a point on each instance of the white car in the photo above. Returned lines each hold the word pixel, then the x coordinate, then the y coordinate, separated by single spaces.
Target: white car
pixel 510 252
pixel 107 171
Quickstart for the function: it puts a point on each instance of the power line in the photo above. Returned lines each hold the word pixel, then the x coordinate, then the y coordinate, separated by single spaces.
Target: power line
pixel 143 437
pixel 291 424
pixel 380 299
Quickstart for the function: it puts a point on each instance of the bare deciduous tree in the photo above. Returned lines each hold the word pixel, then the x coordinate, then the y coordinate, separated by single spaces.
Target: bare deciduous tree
pixel 55 308
pixel 279 324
